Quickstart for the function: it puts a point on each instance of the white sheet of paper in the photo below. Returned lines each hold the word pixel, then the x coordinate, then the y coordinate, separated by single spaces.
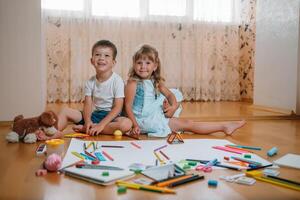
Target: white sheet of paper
pixel 199 149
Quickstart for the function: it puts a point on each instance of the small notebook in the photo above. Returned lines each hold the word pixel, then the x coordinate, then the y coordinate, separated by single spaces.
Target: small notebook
pixel 289 160
pixel 95 175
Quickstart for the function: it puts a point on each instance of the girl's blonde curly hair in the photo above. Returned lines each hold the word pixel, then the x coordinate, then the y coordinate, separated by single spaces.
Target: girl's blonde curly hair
pixel 147 51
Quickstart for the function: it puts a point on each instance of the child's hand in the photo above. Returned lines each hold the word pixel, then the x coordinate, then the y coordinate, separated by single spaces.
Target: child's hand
pixel 41 135
pixel 136 131
pixel 96 129
pixel 87 126
pixel 168 109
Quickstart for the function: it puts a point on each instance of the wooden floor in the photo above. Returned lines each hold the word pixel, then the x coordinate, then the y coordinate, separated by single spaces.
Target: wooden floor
pixel 265 127
pixel 213 111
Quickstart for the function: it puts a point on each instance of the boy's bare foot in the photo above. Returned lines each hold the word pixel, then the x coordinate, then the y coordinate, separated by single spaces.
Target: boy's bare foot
pixel 231 127
pixel 78 129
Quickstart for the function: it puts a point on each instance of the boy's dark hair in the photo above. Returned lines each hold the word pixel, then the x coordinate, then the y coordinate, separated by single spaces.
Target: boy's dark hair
pixel 106 43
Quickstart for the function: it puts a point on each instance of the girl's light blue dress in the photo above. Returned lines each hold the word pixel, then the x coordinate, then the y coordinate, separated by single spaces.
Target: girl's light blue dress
pixel 148 110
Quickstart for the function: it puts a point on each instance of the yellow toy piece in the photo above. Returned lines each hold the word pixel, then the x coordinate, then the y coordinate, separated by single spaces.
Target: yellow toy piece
pixel 118 134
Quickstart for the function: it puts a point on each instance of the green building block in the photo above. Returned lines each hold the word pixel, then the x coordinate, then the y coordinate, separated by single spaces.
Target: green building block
pixel 122 189
pixel 105 173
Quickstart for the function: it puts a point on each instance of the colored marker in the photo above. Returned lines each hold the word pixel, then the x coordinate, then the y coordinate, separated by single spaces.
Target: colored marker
pixel 107 155
pixel 103 167
pixel 157 156
pixel 246 147
pixel 76 135
pixel 258 176
pixel 73 164
pixel 211 163
pixel 99 156
pixel 89 145
pixel 217 164
pixel 162 153
pixel 187 180
pixel 145 187
pixel 229 149
pixel 77 155
pixel 89 154
pixel 136 145
pixel 173 180
pixel 238 148
pixel 260 167
pixel 112 146
pixel 246 160
pixel 159 148
pixel 284 180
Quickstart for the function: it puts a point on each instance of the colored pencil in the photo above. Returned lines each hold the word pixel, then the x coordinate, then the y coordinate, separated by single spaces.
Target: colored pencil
pixel 107 155
pixel 157 156
pixel 112 146
pixel 135 145
pixel 159 148
pixel 77 155
pixel 218 164
pixel 228 149
pixel 246 147
pixel 260 167
pixel 145 187
pixel 246 160
pixel 238 148
pixel 284 180
pixel 187 180
pixel 172 180
pixel 162 153
pixel 89 154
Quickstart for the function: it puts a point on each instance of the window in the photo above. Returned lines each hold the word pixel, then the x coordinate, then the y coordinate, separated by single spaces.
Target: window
pixel 198 10
pixel 116 8
pixel 72 5
pixel 214 10
pixel 167 7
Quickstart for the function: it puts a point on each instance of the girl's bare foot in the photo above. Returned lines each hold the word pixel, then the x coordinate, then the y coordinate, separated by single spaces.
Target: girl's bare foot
pixel 232 126
pixel 78 129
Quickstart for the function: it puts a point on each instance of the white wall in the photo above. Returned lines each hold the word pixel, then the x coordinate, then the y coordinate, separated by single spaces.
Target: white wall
pixel 22 84
pixel 277 34
pixel 298 84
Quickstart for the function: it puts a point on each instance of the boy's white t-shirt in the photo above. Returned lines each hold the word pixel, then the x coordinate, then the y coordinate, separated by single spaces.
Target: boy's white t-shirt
pixel 104 93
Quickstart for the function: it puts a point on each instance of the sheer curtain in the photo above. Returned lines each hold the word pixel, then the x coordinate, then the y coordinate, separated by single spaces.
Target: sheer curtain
pixel 198 43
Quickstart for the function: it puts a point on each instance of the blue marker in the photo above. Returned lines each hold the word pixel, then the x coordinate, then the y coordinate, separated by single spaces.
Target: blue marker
pixel 100 156
pixel 272 151
pixel 87 156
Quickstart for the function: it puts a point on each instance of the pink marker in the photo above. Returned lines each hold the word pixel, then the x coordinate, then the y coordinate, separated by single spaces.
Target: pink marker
pixel 136 145
pixel 229 149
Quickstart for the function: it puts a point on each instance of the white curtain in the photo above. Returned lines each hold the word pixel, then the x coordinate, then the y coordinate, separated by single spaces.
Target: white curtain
pixel 198 43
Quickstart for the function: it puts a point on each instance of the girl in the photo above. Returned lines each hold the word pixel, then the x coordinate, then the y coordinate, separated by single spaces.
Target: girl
pixel 143 95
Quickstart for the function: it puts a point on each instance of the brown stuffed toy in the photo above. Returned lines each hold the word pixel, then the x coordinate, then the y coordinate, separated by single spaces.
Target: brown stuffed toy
pixel 26 129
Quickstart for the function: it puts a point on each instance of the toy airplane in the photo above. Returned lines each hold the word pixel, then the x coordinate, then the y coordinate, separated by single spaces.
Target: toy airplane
pixel 175 138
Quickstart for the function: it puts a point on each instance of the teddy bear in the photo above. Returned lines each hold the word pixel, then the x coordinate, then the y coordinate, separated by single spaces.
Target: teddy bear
pixel 29 128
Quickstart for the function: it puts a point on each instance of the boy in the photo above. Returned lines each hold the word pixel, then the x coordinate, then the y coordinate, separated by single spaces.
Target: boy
pixel 104 92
